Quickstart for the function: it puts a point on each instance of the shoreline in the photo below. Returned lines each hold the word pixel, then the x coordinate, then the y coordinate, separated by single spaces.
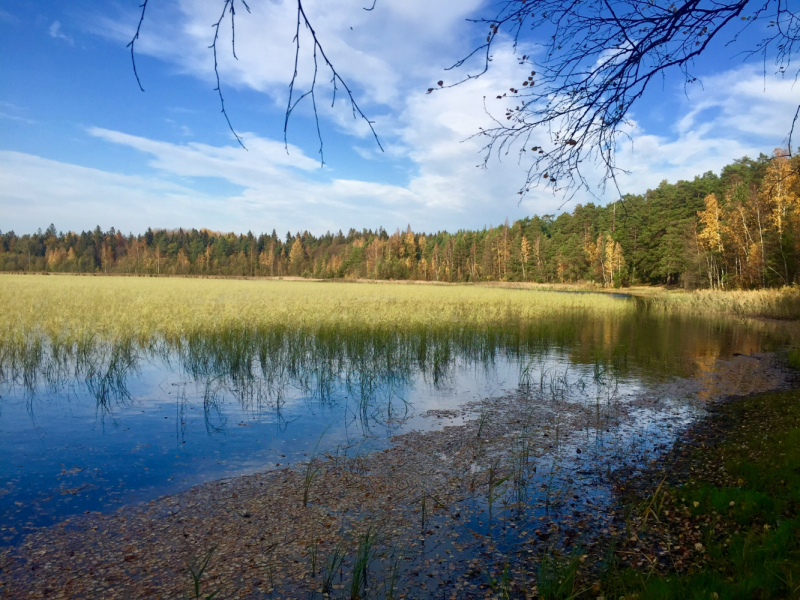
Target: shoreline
pixel 697 525
pixel 429 497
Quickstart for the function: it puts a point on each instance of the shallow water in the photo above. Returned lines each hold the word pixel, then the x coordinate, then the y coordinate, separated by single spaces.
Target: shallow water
pixel 63 455
pixel 118 426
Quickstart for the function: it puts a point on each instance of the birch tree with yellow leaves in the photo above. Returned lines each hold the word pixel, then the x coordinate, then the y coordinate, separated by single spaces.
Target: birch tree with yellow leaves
pixel 710 239
pixel 525 254
pixel 296 256
pixel 781 192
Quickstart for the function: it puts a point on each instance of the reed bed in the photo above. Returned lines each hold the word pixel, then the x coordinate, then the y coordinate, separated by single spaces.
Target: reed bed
pixel 259 338
pixel 783 303
pixel 250 333
pixel 73 308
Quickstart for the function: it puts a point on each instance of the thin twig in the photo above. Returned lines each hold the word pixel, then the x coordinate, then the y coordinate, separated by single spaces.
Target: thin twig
pixel 132 43
pixel 596 63
pixel 317 50
pixel 227 6
pixel 336 80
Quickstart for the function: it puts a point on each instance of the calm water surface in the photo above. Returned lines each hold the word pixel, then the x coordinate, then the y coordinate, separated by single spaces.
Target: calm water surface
pixel 118 426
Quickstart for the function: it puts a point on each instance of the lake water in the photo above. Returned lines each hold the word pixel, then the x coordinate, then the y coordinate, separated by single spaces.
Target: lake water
pixel 95 430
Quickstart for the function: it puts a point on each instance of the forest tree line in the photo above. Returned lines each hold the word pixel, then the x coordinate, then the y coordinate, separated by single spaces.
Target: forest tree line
pixel 739 229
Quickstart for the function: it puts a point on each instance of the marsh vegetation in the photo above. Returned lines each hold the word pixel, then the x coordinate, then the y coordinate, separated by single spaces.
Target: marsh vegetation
pixel 459 440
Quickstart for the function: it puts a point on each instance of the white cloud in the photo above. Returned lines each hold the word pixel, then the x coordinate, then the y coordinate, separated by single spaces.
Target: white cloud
pixel 280 190
pixel 35 190
pixel 389 70
pixel 197 160
pixel 377 52
pixel 17 118
pixel 390 56
pixel 8 17
pixel 445 190
pixel 12 112
pixel 55 32
pixel 739 112
pixel 747 101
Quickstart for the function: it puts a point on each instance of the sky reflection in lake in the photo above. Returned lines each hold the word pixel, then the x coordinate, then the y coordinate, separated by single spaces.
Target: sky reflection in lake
pixel 99 436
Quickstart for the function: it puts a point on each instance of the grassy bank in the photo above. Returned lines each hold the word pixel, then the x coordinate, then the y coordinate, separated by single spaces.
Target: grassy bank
pixel 775 303
pixel 781 303
pixel 728 527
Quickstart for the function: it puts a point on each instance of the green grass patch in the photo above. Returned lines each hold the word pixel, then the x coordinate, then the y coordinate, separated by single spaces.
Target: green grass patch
pixel 739 514
pixel 794 358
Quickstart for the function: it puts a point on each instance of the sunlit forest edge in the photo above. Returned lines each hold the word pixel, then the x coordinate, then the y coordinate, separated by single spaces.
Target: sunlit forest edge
pixel 736 230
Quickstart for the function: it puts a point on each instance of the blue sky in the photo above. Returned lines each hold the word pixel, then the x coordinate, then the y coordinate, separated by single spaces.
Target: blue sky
pixel 81 146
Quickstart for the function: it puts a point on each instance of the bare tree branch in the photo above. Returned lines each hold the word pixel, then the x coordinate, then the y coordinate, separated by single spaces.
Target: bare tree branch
pixel 132 43
pixel 791 131
pixel 229 9
pixel 599 58
pixel 336 80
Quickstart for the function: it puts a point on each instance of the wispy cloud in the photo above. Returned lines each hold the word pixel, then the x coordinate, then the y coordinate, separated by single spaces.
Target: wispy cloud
pixel 7 17
pixel 35 190
pixel 55 32
pixel 17 118
pixel 378 54
pixel 391 60
pixel 444 190
pixel 12 112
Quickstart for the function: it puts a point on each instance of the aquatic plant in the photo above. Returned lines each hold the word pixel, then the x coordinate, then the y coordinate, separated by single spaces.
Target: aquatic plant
pixel 494 482
pixel 332 565
pixel 556 576
pixel 501 585
pixel 313 555
pixel 365 553
pixel 254 340
pixel 794 358
pixel 75 308
pixel 653 505
pixel 392 575
pixel 781 303
pixel 197 568
pixel 521 453
pixel 311 468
